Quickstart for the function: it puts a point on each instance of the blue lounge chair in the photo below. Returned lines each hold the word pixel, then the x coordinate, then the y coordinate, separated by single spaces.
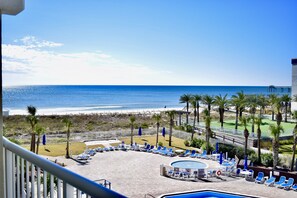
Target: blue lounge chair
pixel 157 150
pixel 170 153
pixel 163 150
pixel 185 154
pixel 281 180
pixel 203 155
pixel 270 181
pixel 294 187
pixel 260 178
pixel 146 148
pixel 166 151
pixel 151 149
pixel 287 185
pixel 193 153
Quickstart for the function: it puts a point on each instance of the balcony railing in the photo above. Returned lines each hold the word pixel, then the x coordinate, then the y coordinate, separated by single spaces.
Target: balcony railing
pixel 28 175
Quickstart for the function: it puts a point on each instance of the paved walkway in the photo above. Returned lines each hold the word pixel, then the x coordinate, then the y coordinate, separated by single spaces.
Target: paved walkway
pixel 135 174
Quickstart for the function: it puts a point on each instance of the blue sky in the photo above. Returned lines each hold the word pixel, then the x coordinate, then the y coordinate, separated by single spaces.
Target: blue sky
pixel 168 42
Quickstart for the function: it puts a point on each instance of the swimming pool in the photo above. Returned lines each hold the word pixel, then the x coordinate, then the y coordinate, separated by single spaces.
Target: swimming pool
pixel 189 164
pixel 205 194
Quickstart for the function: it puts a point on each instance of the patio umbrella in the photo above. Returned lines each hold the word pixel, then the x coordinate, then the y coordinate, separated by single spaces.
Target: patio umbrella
pixel 43 139
pixel 245 163
pixel 217 147
pixel 139 131
pixel 163 132
pixel 221 158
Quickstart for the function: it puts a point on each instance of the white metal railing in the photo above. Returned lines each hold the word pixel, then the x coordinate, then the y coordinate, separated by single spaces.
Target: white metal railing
pixel 28 175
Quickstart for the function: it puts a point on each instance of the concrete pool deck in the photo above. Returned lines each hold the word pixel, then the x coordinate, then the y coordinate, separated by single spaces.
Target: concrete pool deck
pixel 135 174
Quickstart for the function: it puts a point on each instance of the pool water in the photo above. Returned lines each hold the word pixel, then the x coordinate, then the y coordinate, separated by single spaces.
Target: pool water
pixel 205 194
pixel 189 164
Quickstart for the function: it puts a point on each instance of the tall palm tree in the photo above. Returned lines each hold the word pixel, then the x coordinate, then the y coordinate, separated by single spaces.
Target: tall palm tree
pixel 157 118
pixel 262 103
pixel 271 101
pixel 295 141
pixel 286 99
pixel 207 120
pixel 242 98
pixel 244 121
pixel 186 99
pixel 39 131
pixel 238 101
pixel 132 121
pixel 194 106
pixel 275 131
pixel 197 98
pixel 68 124
pixel 33 120
pixel 258 122
pixel 208 100
pixel 252 102
pixel 171 115
pixel 222 102
pixel 278 108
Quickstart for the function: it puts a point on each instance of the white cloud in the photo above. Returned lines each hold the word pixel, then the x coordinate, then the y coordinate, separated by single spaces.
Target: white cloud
pixel 32 62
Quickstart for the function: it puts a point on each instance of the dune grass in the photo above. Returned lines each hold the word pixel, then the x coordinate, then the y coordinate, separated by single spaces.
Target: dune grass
pixel 59 149
pixel 177 143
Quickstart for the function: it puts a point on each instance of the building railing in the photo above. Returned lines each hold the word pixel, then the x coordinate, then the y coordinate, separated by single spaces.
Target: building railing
pixel 28 175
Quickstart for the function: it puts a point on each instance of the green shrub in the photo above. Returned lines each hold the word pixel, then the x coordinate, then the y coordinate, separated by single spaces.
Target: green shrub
pixel 286 142
pixel 197 143
pixel 187 143
pixel 145 125
pixel 14 141
pixel 267 159
pixel 210 146
pixel 160 144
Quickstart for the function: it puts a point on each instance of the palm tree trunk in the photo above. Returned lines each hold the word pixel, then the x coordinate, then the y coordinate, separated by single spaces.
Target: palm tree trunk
pixel 240 112
pixel 198 112
pixel 253 124
pixel 195 114
pixel 187 116
pixel 208 108
pixel 272 116
pixel 275 153
pixel 236 119
pixel 259 145
pixel 67 146
pixel 37 144
pixel 157 139
pixel 132 134
pixel 170 131
pixel 294 152
pixel 279 118
pixel 286 112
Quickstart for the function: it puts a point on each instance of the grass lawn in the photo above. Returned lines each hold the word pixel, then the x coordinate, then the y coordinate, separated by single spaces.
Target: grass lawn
pixel 55 150
pixel 230 124
pixel 177 143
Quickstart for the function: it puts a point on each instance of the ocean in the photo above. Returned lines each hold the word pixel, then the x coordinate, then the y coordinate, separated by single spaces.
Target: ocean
pixel 92 99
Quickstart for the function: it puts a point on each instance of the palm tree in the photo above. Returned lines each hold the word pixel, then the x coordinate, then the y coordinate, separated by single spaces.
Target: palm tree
pixel 242 98
pixel 171 115
pixel 252 102
pixel 286 99
pixel 271 101
pixel 278 107
pixel 222 102
pixel 197 98
pixel 262 103
pixel 208 100
pixel 244 121
pixel 295 141
pixel 258 122
pixel 157 118
pixel 39 131
pixel 68 125
pixel 238 101
pixel 207 120
pixel 186 99
pixel 132 120
pixel 275 131
pixel 32 119
pixel 194 106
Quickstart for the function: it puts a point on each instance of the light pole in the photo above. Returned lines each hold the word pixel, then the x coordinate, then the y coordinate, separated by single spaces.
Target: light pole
pixel 10 7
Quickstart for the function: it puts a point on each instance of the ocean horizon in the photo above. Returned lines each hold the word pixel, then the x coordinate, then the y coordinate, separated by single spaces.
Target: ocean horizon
pixel 74 99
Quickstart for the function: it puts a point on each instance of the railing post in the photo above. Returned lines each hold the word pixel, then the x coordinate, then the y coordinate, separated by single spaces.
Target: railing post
pixel 67 190
pixel 9 174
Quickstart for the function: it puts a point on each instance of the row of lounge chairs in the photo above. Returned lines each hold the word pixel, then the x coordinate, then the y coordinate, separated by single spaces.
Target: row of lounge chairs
pixel 281 183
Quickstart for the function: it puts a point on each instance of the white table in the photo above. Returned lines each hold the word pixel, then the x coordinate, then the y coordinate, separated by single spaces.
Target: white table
pixel 179 151
pixel 215 156
pixel 245 173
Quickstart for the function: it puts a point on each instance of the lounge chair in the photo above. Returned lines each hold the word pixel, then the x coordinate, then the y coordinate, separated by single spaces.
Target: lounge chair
pixel 294 187
pixel 250 177
pixel 170 153
pixel 260 178
pixel 163 150
pixel 147 147
pixel 185 154
pixel 193 153
pixel 157 150
pixel 111 148
pixel 287 185
pixel 151 149
pixel 203 155
pixel 270 181
pixel 281 180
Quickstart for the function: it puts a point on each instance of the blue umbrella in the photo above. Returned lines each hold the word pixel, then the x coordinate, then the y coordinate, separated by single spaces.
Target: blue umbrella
pixel 43 139
pixel 221 158
pixel 217 147
pixel 245 163
pixel 139 131
pixel 163 132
